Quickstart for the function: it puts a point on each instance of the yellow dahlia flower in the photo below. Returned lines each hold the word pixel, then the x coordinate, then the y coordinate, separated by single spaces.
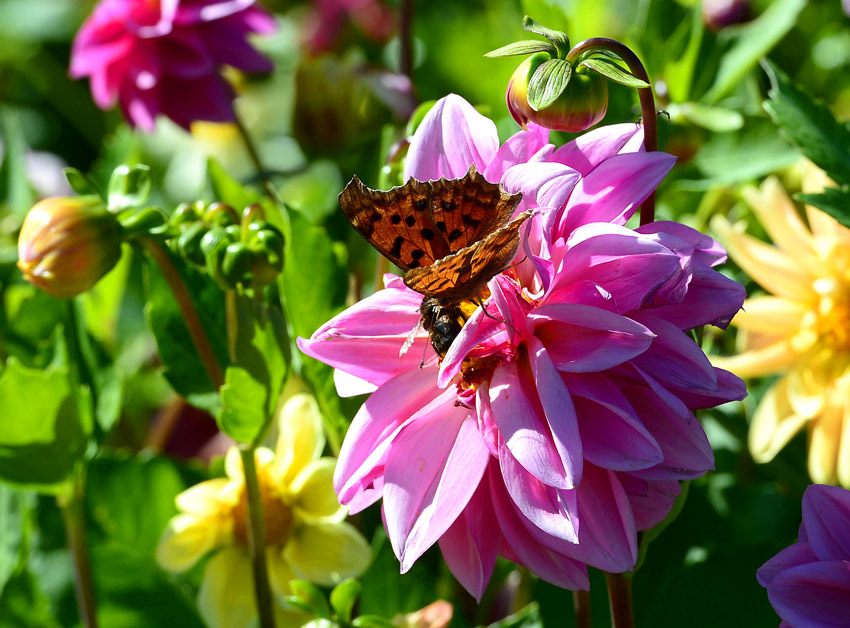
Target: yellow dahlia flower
pixel 306 536
pixel 800 330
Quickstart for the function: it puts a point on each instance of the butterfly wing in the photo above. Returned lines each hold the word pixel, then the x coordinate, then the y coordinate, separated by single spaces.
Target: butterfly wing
pixel 396 222
pixel 463 274
pixel 466 210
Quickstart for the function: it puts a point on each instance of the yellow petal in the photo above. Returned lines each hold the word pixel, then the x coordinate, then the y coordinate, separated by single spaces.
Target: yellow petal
pixel 313 491
pixel 206 499
pixel 759 362
pixel 767 265
pixel 326 553
pixel 770 316
pixel 186 539
pixel 844 448
pixel 301 438
pixel 823 445
pixel 233 462
pixel 280 573
pixel 825 226
pixel 773 424
pixel 807 389
pixel 226 598
pixel 779 217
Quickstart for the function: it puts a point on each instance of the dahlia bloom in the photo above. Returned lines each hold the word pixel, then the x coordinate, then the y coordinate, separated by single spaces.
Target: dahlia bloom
pixel 800 330
pixel 305 532
pixel 565 415
pixel 164 56
pixel 808 583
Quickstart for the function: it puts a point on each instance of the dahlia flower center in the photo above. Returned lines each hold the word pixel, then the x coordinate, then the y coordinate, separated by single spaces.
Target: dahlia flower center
pixel 833 310
pixel 277 515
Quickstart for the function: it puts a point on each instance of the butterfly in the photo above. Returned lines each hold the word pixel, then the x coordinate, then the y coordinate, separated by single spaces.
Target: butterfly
pixel 450 236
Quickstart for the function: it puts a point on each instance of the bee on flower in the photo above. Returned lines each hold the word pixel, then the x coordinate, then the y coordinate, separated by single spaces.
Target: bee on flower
pixel 800 330
pixel 306 535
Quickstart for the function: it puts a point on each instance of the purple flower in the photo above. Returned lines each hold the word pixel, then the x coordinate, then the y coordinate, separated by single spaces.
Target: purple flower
pixel 559 425
pixel 164 56
pixel 808 583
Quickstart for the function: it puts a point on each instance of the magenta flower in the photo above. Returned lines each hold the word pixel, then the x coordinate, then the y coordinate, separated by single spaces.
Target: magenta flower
pixel 564 416
pixel 808 583
pixel 164 56
pixel 328 18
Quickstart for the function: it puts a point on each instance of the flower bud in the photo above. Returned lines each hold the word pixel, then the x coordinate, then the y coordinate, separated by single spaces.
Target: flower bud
pixel 717 14
pixel 582 104
pixel 67 244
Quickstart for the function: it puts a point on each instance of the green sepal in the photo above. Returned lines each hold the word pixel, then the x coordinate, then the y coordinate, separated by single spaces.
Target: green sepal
pixel 129 186
pixel 524 47
pixel 236 264
pixel 613 72
pixel 548 83
pixel 311 596
pixel 343 597
pixel 80 183
pixel 833 201
pixel 149 221
pixel 560 40
pixel 372 621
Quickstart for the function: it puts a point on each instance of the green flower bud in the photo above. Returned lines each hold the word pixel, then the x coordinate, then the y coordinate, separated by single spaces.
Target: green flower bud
pixel 214 246
pixel 67 244
pixel 237 264
pixel 189 242
pixel 221 214
pixel 187 213
pixel 582 104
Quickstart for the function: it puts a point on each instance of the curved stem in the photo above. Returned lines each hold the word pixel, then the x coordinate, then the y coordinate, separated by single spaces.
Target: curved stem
pixel 257 539
pixel 581 606
pixel 254 155
pixel 73 516
pixel 620 599
pixel 647 101
pixel 187 309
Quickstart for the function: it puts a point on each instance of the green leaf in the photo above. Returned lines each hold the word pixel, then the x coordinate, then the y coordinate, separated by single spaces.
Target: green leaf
pixel 752 42
pixel 548 82
pixel 527 617
pixel 833 201
pixel 182 366
pixel 14 181
pixel 24 604
pixel 314 191
pixel 311 596
pixel 228 190
pixel 80 183
pixel 253 384
pixel 716 119
pixel 679 71
pixel 809 124
pixel 525 47
pixel 344 596
pixel 16 508
pixel 132 499
pixel 613 72
pixel 372 621
pixel 50 430
pixel 129 186
pixel 559 39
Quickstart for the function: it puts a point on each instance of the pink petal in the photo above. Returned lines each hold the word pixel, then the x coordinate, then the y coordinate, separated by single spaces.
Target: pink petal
pixel 542 184
pixel 816 595
pixel 209 98
pixel 451 137
pixel 432 470
pixel 729 388
pixel 471 545
pixel 518 149
pixel 792 556
pixel 186 55
pixel 522 423
pixel 371 434
pixel 706 249
pixel 826 511
pixel 581 339
pixel 589 150
pixel 614 189
pixel 651 500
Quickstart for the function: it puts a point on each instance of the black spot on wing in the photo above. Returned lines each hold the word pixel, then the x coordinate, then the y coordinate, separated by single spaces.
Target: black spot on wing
pixel 396 250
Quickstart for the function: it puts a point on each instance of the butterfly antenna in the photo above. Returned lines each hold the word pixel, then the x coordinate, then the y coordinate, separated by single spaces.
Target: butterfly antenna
pixel 424 353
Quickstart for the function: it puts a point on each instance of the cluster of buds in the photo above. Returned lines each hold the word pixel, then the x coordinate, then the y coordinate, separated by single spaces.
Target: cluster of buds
pixel 244 251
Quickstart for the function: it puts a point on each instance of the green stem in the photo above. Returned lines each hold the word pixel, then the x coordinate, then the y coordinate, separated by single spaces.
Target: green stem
pixel 257 539
pixel 187 309
pixel 581 606
pixel 647 101
pixel 73 516
pixel 254 155
pixel 620 599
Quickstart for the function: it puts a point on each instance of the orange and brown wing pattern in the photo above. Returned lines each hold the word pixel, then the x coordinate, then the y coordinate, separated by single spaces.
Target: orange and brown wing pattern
pixel 397 222
pixel 463 274
pixel 465 210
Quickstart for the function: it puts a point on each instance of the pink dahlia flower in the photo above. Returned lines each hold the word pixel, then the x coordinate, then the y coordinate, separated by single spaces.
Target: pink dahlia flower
pixel 565 416
pixel 808 583
pixel 164 56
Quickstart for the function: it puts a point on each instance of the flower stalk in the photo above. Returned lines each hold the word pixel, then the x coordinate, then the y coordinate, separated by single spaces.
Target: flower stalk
pixel 581 607
pixel 257 539
pixel 620 599
pixel 73 516
pixel 647 101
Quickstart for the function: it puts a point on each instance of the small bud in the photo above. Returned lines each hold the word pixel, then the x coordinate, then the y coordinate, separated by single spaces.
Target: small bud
pixel 67 244
pixel 236 264
pixel 717 14
pixel 582 103
pixel 189 242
